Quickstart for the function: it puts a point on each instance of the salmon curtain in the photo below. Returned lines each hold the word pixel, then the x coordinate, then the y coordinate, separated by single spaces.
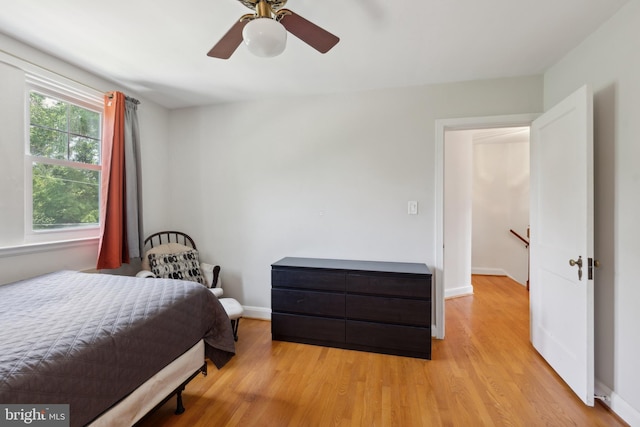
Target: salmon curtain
pixel 119 196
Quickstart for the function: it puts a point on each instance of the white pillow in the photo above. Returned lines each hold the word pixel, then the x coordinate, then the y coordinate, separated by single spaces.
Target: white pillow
pixel 207 272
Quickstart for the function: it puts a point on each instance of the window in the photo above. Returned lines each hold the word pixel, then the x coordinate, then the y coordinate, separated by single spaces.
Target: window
pixel 63 154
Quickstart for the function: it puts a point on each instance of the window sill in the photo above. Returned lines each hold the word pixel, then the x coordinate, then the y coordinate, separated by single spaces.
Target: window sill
pixel 32 248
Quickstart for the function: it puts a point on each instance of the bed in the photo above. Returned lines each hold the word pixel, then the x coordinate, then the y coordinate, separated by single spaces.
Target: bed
pixel 112 347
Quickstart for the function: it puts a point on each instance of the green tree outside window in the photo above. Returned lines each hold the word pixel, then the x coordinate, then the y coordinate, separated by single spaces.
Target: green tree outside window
pixel 65 148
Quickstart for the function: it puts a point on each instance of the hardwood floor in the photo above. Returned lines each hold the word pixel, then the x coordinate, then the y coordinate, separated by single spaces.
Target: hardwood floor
pixel 484 373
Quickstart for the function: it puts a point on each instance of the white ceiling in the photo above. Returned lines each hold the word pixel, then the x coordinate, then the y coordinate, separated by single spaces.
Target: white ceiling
pixel 158 48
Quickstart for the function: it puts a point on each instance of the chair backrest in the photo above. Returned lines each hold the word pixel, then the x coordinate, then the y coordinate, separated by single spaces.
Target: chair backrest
pixel 161 237
pixel 180 238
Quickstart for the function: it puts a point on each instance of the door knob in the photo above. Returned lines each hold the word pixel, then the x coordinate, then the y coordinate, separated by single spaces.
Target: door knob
pixel 573 262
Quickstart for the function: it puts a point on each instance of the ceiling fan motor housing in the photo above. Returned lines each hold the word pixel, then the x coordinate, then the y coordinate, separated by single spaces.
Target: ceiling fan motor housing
pixel 273 4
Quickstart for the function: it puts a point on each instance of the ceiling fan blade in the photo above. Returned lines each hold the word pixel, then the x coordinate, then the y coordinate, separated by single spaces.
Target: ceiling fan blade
pixel 229 42
pixel 316 37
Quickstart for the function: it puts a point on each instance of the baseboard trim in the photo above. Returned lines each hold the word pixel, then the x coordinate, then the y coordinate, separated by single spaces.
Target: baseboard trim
pixel 617 404
pixel 481 271
pixel 435 332
pixel 488 271
pixel 460 291
pixel 260 313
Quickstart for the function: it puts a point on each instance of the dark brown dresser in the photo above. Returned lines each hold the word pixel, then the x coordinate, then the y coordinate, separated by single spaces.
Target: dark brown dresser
pixel 382 307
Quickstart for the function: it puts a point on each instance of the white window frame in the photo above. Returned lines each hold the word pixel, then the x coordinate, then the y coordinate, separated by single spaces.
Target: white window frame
pixel 75 95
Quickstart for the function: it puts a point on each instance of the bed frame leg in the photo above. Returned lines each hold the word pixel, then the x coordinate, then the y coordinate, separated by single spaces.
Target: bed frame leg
pixel 180 406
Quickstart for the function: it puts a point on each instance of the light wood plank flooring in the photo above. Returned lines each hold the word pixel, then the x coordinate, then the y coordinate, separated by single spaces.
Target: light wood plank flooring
pixel 484 373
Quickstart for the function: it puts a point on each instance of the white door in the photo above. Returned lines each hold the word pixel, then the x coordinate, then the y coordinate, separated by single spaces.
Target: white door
pixel 561 295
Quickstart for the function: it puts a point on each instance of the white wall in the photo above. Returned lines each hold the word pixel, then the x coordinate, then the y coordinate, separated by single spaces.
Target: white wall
pixel 11 154
pixel 500 203
pixel 326 176
pixel 458 190
pixel 18 261
pixel 608 60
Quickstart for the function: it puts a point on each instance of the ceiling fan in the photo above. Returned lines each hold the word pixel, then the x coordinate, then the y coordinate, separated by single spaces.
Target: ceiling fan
pixel 265 31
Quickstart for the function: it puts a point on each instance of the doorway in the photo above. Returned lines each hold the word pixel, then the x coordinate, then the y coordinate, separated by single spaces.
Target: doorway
pixel 486 203
pixel 453 229
pixel 500 206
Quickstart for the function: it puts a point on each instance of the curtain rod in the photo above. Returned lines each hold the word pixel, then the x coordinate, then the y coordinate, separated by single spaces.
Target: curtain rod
pixel 48 70
pixel 128 98
pixel 60 75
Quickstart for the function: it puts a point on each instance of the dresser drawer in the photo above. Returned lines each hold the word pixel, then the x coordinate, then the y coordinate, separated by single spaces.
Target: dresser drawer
pixel 397 286
pixel 308 302
pixel 398 311
pixel 392 337
pixel 285 326
pixel 308 279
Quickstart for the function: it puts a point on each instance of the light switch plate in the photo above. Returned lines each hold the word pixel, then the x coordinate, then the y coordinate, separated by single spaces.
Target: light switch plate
pixel 412 207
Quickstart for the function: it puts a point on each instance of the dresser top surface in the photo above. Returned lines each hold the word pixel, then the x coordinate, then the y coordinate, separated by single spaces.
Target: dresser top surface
pixel 351 265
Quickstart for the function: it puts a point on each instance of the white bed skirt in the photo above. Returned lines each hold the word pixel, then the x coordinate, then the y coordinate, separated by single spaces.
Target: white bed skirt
pixel 143 399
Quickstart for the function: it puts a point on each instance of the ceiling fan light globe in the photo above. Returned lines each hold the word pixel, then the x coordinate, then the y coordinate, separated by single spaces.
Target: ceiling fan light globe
pixel 265 37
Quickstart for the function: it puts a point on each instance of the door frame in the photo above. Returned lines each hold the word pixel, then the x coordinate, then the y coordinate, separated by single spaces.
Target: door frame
pixel 442 126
